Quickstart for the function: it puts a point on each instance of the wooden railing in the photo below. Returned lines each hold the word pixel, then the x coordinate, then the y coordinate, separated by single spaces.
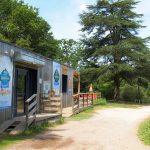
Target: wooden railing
pixel 83 100
pixel 30 109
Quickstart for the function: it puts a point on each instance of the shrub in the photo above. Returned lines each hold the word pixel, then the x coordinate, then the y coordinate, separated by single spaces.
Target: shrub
pixel 144 132
pixel 101 101
pixel 106 89
pixel 131 93
pixel 146 100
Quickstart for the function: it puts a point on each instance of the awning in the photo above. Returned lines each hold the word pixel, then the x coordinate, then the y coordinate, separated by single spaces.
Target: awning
pixel 29 58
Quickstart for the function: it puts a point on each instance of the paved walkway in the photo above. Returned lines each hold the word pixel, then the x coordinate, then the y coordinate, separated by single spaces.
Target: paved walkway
pixel 108 129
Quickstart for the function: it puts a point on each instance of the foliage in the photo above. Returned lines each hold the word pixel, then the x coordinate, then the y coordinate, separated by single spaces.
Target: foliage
pixel 34 129
pixel 85 114
pixel 106 89
pixel 144 132
pixel 101 101
pixel 7 140
pixel 88 76
pixel 91 75
pixel 100 104
pixel 148 90
pixel 132 93
pixel 21 24
pixel 146 99
pixel 70 53
pixel 113 48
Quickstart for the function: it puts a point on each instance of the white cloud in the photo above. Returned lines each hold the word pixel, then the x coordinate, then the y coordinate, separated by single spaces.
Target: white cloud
pixel 83 7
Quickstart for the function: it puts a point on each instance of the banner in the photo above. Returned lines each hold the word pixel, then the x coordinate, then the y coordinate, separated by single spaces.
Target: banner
pixel 6 73
pixel 56 78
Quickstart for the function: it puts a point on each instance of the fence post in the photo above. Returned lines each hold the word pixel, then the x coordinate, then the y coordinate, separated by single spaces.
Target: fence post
pixel 78 102
pixel 92 98
pixel 87 99
pixel 26 112
pixel 83 100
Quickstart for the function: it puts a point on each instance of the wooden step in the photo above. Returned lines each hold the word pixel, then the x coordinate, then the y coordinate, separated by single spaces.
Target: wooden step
pixel 5 125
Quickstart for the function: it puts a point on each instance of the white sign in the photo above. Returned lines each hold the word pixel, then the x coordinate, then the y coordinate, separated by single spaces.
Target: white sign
pixel 46 88
pixel 6 74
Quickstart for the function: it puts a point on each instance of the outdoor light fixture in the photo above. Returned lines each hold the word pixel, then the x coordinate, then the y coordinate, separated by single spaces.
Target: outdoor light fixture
pixel 9 53
pixel 6 52
pixel 12 53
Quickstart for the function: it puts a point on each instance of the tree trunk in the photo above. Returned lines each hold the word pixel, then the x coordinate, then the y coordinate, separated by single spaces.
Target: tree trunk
pixel 117 89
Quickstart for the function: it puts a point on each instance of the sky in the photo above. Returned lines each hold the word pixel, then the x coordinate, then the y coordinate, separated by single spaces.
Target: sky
pixel 63 16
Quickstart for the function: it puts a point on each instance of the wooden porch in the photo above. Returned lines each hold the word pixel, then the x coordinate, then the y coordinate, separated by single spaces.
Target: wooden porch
pixel 18 124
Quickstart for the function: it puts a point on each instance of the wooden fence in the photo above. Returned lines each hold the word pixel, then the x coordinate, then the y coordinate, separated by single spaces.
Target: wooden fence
pixel 30 109
pixel 83 100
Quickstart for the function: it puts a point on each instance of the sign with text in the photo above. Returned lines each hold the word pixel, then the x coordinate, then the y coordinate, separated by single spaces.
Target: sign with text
pixel 6 73
pixel 56 78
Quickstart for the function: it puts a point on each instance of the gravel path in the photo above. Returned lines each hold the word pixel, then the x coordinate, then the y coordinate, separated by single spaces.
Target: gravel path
pixel 108 129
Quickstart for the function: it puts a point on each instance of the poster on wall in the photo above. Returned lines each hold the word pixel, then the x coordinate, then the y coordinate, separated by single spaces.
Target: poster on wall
pixel 56 78
pixel 46 88
pixel 70 82
pixel 6 72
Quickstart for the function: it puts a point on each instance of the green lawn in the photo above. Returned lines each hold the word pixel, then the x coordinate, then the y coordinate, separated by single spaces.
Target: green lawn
pixel 100 104
pixel 7 140
pixel 144 132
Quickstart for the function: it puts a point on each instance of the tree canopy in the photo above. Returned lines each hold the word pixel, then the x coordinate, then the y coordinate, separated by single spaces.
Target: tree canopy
pixel 21 24
pixel 113 46
pixel 70 52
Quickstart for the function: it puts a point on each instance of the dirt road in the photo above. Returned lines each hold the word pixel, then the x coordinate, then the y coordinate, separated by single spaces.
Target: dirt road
pixel 108 129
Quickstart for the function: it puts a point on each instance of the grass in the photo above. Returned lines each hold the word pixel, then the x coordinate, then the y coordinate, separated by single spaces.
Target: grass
pixel 7 140
pixel 99 104
pixel 144 132
pixel 85 114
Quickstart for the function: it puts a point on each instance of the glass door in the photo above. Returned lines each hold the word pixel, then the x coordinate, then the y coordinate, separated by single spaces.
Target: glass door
pixel 21 90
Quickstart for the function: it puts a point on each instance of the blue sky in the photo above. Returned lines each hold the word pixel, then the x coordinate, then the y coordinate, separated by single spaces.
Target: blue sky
pixel 63 15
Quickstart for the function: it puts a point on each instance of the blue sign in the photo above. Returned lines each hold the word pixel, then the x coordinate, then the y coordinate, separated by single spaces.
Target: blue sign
pixel 6 73
pixel 4 79
pixel 56 77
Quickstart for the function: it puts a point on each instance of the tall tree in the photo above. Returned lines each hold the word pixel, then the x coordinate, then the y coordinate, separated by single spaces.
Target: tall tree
pixel 21 24
pixel 70 52
pixel 113 45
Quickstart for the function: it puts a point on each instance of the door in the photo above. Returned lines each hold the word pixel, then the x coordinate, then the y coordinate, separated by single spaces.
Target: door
pixel 26 86
pixel 21 90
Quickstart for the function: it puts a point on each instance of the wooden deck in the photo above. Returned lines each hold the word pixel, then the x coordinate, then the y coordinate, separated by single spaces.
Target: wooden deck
pixel 18 124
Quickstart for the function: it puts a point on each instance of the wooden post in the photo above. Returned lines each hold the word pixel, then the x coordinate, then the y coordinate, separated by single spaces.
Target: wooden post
pixel 78 102
pixel 78 83
pixel 83 100
pixel 92 98
pixel 26 112
pixel 87 99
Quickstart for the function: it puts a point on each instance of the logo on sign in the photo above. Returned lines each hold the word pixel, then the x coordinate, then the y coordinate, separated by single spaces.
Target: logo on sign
pixel 56 77
pixel 4 78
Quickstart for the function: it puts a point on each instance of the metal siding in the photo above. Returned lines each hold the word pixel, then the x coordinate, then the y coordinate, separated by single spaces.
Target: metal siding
pixel 5 113
pixel 8 113
pixel 44 73
pixel 68 97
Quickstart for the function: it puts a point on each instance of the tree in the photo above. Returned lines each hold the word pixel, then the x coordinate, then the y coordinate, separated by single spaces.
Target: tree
pixel 113 46
pixel 21 24
pixel 70 52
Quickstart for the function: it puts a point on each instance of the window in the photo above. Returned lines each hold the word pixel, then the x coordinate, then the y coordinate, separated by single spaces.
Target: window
pixel 64 83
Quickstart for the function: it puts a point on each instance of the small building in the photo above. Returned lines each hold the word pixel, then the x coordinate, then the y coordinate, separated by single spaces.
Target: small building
pixel 24 73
